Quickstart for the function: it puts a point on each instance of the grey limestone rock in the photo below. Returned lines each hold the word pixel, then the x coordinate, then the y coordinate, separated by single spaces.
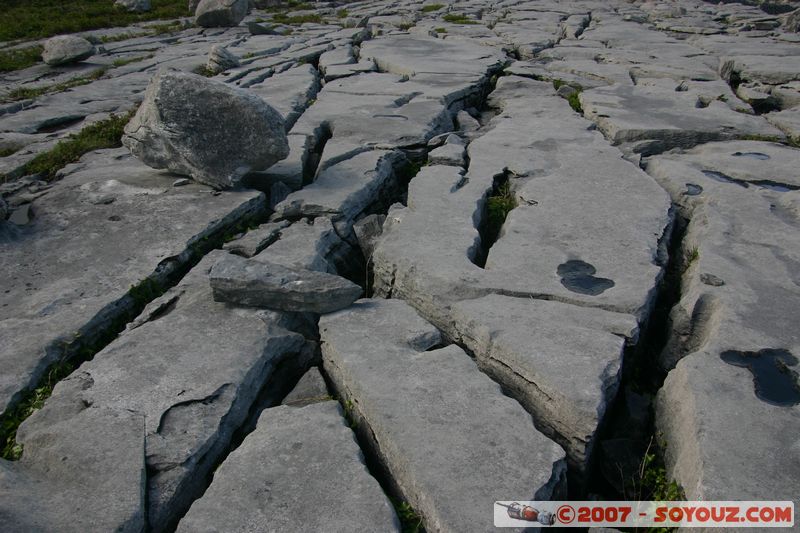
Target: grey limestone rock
pixel 254 283
pixel 220 59
pixel 310 389
pixel 64 49
pixel 178 128
pixel 300 470
pixel 434 417
pixel 216 13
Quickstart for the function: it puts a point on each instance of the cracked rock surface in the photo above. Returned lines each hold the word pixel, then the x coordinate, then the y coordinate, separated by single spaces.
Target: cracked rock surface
pixel 573 227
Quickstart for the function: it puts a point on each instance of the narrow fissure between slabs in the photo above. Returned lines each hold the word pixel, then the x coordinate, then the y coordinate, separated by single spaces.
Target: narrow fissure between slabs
pixel 499 201
pixel 104 327
pixel 374 459
pixel 283 379
pixel 322 135
pixel 628 459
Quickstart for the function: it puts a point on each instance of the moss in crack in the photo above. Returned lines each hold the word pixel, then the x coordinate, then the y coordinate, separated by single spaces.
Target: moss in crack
pixel 296 20
pixel 204 71
pixel 410 520
pixel 498 206
pixel 458 18
pixel 20 58
pixel 104 134
pixel 432 7
pixel 25 93
pixel 31 402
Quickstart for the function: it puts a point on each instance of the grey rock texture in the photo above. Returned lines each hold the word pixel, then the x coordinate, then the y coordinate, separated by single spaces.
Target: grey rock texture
pixel 110 223
pixel 433 417
pixel 192 368
pixel 310 389
pixel 216 13
pixel 254 283
pixel 733 346
pixel 307 460
pixel 65 49
pixel 177 128
pixel 220 59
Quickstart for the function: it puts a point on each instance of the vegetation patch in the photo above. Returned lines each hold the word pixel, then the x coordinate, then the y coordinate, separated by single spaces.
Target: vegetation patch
pixel 342 14
pixel 24 93
pixel 410 520
pixel 20 58
pixel 432 7
pixel 203 70
pixel 129 60
pixel 498 206
pixel 440 30
pixel 104 134
pixel 458 18
pixel 36 19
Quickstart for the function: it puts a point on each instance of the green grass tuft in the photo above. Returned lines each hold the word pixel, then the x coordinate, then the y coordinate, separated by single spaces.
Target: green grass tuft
pixel 24 93
pixel 575 102
pixel 459 18
pixel 104 134
pixel 432 7
pixel 440 30
pixel 410 520
pixel 203 70
pixel 36 19
pixel 342 14
pixel 20 58
pixel 498 206
pixel 129 60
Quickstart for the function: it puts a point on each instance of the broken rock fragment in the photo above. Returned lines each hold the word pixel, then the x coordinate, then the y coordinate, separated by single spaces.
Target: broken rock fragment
pixel 206 129
pixel 262 284
pixel 220 13
pixel 64 49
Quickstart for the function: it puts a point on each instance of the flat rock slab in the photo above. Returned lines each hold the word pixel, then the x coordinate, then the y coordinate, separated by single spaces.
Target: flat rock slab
pixel 587 228
pixel 310 389
pixel 309 245
pixel 701 113
pixel 252 283
pixel 434 417
pixel 562 362
pixel 346 190
pixel 734 344
pixel 300 470
pixel 108 225
pixel 83 470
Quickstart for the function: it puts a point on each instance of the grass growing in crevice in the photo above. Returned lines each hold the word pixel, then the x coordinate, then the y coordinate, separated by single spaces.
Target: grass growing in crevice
pixel 410 520
pixel 573 98
pixel 104 134
pixel 31 401
pixel 24 93
pixel 458 18
pixel 203 70
pixel 127 61
pixel 36 19
pixel 342 14
pixel 20 58
pixel 432 7
pixel 5 152
pixel 498 206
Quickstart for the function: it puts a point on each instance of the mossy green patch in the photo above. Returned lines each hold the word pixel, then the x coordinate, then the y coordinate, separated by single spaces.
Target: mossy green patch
pixel 24 93
pixel 296 20
pixel 458 18
pixel 498 206
pixel 410 520
pixel 20 58
pixel 35 19
pixel 432 7
pixel 104 134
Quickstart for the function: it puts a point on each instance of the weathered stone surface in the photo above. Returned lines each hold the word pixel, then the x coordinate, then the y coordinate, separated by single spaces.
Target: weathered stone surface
pixel 64 49
pixel 254 283
pixel 310 389
pixel 562 362
pixel 136 6
pixel 701 113
pixel 290 92
pixel 434 418
pixel 191 367
pixel 215 13
pixel 107 225
pixel 733 345
pixel 367 231
pixel 309 245
pixel 309 464
pixel 256 239
pixel 346 190
pixel 83 469
pixel 220 59
pixel 177 128
pixel 788 121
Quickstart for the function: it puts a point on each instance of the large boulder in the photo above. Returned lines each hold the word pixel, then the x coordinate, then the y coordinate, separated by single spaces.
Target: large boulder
pixel 64 49
pixel 215 13
pixel 134 6
pixel 205 129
